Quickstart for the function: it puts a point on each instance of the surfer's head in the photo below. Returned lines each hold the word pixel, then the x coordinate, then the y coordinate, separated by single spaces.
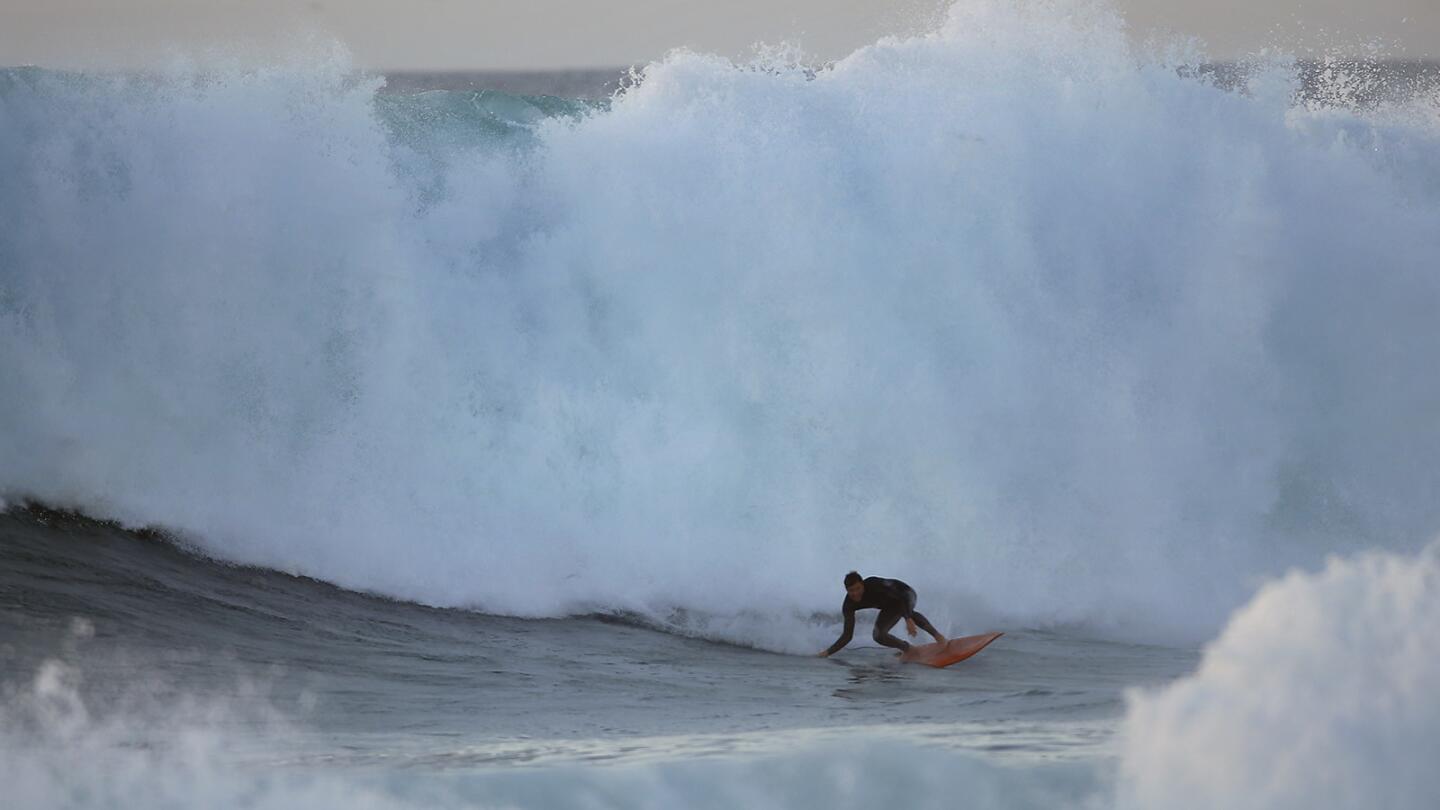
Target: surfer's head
pixel 854 585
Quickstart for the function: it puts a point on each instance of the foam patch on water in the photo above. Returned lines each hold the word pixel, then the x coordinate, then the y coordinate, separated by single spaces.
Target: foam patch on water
pixel 164 749
pixel 1321 693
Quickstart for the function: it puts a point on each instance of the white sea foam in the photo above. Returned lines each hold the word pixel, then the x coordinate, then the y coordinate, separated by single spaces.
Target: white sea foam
pixel 1048 329
pixel 166 750
pixel 1320 694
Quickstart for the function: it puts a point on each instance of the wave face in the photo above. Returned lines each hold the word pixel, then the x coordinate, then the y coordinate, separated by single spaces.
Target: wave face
pixel 1050 329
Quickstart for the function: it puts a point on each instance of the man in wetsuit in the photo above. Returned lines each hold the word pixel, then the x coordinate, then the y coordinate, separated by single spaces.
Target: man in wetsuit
pixel 894 599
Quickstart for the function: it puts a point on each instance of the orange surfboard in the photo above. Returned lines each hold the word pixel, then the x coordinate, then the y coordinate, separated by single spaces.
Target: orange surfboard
pixel 943 654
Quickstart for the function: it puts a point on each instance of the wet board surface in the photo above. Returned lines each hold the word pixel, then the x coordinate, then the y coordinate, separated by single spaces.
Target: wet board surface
pixel 943 654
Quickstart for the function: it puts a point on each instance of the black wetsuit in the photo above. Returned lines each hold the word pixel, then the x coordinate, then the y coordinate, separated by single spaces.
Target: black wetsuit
pixel 895 600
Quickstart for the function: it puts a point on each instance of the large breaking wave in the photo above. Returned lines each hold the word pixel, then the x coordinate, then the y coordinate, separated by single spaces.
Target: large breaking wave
pixel 1055 330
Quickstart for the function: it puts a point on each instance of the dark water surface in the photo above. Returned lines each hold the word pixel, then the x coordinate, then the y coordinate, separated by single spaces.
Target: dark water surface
pixel 360 669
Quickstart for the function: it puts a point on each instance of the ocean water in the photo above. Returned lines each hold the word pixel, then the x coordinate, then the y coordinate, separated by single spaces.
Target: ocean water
pixel 386 446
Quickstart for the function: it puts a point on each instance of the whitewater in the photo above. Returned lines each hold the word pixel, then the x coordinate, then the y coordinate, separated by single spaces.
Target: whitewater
pixel 451 448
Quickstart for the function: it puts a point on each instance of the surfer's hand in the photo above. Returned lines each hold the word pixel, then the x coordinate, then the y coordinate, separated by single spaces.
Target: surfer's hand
pixel 823 654
pixel 910 627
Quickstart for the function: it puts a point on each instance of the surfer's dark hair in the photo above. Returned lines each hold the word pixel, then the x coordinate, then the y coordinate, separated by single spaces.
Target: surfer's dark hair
pixel 852 578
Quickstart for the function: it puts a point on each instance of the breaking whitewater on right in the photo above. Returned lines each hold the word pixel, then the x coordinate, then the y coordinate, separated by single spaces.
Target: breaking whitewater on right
pixel 368 448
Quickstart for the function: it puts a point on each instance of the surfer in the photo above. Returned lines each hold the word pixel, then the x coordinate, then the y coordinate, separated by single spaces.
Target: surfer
pixel 893 598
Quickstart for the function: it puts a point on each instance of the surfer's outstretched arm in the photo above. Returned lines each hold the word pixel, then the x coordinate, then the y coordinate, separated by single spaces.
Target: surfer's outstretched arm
pixel 845 636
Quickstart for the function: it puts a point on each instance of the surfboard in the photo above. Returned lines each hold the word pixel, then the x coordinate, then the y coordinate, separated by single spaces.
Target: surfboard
pixel 943 654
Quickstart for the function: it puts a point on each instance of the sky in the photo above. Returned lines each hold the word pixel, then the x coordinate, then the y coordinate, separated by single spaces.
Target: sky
pixel 542 34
